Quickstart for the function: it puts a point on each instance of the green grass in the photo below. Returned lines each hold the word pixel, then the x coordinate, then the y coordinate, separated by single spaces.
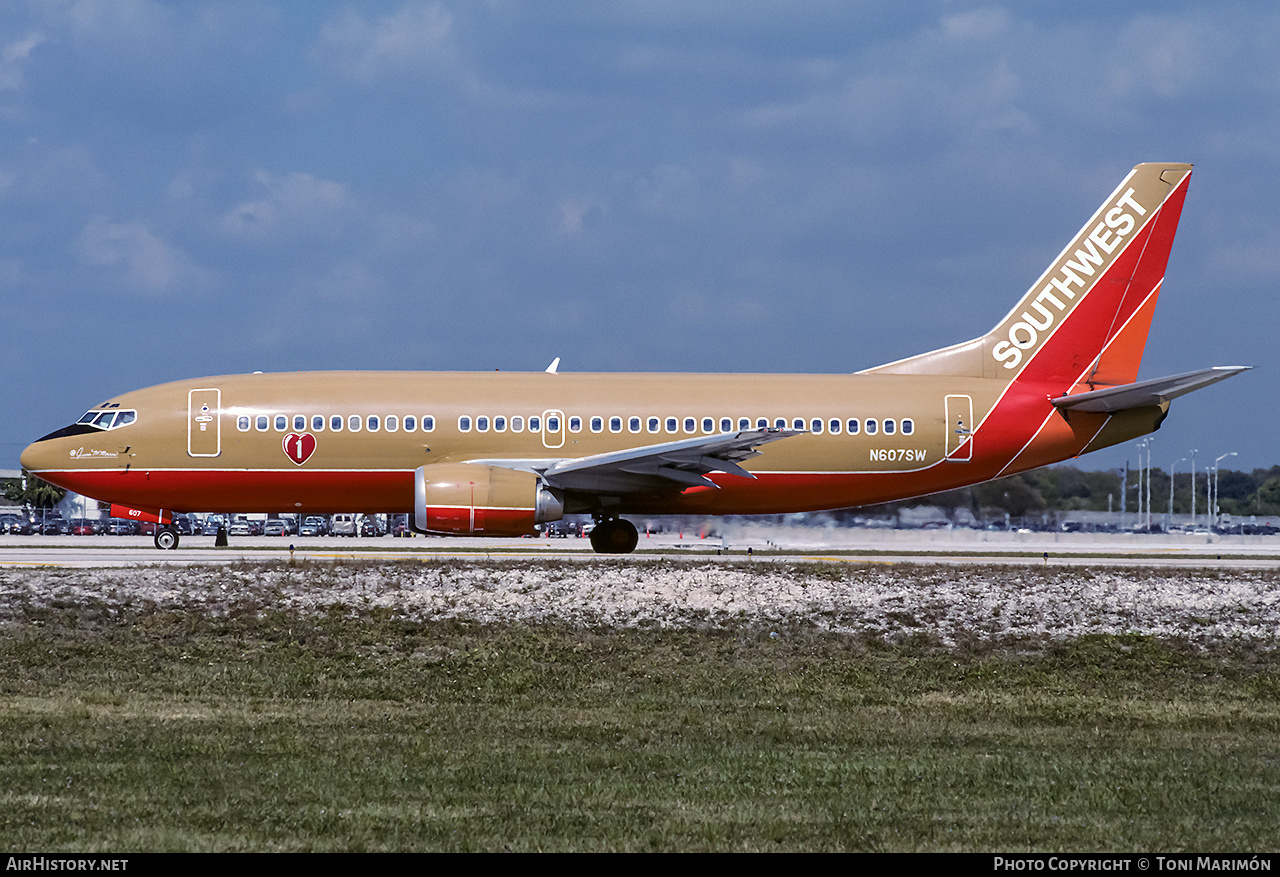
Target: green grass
pixel 138 728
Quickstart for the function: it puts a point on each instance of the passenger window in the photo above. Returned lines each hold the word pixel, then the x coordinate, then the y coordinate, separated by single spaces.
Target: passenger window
pixel 317 422
pixel 615 424
pixel 353 423
pixel 371 423
pixel 464 424
pixel 517 424
pixel 299 423
pixel 633 424
pixel 889 427
pixel 654 424
pixel 575 424
pixel 597 424
pixel 673 425
pixel 708 425
pixel 391 423
pixel 335 422
pixel 428 423
pixel 410 423
pixel 744 423
pixel 780 423
pixel 242 423
pixel 871 426
pixel 834 426
pixel 762 423
pixel 499 424
pixel 262 423
pixel 482 424
pixel 908 426
pixel 815 426
pixel 853 426
pixel 282 423
pixel 690 424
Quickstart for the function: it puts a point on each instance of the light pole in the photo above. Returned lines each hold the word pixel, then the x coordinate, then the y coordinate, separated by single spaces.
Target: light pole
pixel 1193 486
pixel 1142 445
pixel 1214 506
pixel 1169 525
pixel 1144 485
pixel 1149 484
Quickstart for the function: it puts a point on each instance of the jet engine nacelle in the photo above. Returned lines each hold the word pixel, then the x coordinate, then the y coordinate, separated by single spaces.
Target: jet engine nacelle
pixel 477 500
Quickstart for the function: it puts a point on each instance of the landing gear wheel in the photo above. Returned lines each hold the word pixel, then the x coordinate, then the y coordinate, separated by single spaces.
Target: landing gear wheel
pixel 614 536
pixel 166 539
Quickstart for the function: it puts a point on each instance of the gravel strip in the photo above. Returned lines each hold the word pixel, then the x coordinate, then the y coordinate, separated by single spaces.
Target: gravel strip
pixel 886 602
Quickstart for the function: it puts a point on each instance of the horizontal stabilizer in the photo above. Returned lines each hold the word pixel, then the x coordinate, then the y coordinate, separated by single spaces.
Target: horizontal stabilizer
pixel 1145 393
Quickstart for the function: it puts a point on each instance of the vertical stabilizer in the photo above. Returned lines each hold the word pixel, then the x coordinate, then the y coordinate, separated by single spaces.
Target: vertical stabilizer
pixel 1085 320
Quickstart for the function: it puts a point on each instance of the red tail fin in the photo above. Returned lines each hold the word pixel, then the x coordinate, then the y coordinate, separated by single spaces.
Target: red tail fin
pixel 1085 321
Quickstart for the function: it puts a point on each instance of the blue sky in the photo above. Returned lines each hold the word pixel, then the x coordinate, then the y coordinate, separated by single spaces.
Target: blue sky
pixel 193 188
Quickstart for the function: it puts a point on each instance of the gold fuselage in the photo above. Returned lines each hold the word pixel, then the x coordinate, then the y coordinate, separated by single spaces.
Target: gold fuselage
pixel 172 457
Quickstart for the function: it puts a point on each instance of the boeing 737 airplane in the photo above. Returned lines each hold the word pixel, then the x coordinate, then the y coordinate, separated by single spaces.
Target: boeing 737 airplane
pixel 497 454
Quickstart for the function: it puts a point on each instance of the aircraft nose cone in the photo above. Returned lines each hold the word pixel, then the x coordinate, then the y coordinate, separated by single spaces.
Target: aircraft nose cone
pixel 39 456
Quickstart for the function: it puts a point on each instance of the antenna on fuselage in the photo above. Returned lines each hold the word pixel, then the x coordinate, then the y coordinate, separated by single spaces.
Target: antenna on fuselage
pixel 555 364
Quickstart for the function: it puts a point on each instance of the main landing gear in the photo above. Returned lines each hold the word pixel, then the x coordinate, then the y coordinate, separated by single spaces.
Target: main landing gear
pixel 614 536
pixel 166 538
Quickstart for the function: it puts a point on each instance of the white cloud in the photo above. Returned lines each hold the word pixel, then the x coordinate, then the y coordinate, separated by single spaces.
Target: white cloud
pixel 1164 56
pixel 149 264
pixel 294 204
pixel 12 56
pixel 414 38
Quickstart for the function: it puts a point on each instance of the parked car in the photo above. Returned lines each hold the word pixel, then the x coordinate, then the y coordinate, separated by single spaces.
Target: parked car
pixel 53 525
pixel 15 524
pixel 399 525
pixel 122 527
pixel 275 527
pixel 314 525
pixel 344 525
pixel 371 526
pixel 83 527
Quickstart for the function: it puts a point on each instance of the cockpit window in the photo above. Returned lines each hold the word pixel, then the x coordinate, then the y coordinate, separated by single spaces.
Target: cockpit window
pixel 109 419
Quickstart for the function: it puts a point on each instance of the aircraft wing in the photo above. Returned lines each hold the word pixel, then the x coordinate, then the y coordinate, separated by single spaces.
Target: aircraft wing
pixel 1143 393
pixel 666 466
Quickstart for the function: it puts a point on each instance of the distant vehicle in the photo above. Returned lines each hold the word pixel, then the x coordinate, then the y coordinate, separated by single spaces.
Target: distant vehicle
pixel 53 525
pixel 371 526
pixel 275 527
pixel 240 527
pixel 83 527
pixel 16 525
pixel 343 525
pixel 314 525
pixel 121 527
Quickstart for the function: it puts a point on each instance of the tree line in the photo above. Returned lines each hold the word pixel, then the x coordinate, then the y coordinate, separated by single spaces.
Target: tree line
pixel 1067 489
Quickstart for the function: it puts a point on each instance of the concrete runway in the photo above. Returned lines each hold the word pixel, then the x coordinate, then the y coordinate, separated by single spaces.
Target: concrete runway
pixel 767 543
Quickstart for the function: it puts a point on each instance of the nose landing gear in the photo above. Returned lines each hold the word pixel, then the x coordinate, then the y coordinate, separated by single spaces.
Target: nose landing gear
pixel 614 536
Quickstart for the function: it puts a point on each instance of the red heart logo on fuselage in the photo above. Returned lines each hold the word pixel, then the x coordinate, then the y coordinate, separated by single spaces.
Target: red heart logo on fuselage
pixel 299 447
